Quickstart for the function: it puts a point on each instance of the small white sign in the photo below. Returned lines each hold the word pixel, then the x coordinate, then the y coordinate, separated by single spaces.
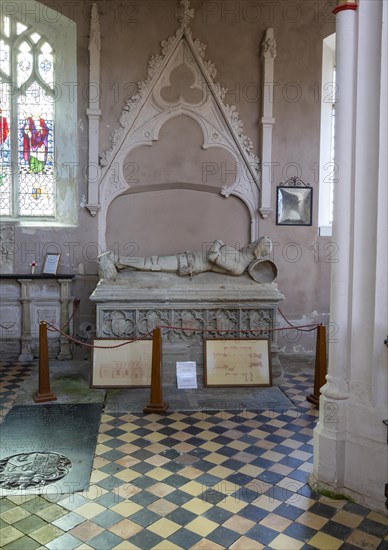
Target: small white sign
pixel 186 375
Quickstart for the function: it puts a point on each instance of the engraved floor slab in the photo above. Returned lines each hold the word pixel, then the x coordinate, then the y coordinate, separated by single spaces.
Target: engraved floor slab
pixel 48 449
pixel 201 399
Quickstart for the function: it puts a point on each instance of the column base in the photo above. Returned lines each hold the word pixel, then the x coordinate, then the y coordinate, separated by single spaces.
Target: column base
pixel 64 356
pixel 43 397
pixel 159 408
pixel 25 357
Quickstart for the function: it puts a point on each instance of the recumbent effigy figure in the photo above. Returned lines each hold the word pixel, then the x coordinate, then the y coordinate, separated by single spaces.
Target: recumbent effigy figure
pixel 219 258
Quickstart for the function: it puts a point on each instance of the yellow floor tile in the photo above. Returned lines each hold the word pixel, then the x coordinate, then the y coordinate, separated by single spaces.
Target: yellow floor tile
pixel 221 471
pixel 312 520
pixel 159 474
pixel 202 526
pixel 46 534
pixel 325 542
pixel 190 472
pixel 215 458
pixel 164 527
pixel 347 518
pixel 275 522
pixel 160 489
pixel 86 531
pixel 251 470
pixel 162 507
pixel 125 545
pixel 99 462
pixel 20 499
pixel 232 504
pixel 375 516
pixel 166 545
pixel 302 502
pixel 126 491
pixel 101 449
pixel 103 438
pixel 184 447
pixel 127 448
pixel 127 475
pixel 157 460
pixel 9 534
pixel 239 524
pixel 90 510
pixel 125 509
pixel 127 461
pixel 193 488
pixel 97 476
pixel 206 544
pixel 211 446
pixel 154 437
pixel 125 528
pixel 127 437
pixel 239 445
pixel 245 543
pixel 290 484
pixel 363 540
pixel 93 492
pixel 272 455
pixel 267 503
pixel 14 514
pixel 197 506
pixel 284 542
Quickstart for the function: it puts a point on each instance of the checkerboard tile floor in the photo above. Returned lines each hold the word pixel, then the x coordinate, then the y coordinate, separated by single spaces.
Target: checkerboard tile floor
pixel 211 479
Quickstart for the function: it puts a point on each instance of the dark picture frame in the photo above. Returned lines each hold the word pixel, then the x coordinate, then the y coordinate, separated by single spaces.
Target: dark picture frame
pixel 294 203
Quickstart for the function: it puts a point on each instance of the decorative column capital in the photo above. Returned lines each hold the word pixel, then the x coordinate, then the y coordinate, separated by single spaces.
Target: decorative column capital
pixel 268 46
pixel 345 5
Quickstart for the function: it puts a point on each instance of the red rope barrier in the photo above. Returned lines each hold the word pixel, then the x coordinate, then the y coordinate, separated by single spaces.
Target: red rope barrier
pixel 302 328
pixel 52 328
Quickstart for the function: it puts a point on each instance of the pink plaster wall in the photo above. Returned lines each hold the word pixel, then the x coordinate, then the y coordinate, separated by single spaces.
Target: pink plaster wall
pixel 233 30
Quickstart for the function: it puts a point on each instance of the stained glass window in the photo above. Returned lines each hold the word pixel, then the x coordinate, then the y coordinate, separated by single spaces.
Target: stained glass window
pixel 27 113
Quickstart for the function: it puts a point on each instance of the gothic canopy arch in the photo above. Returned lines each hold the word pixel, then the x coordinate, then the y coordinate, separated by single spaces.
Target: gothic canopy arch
pixel 157 101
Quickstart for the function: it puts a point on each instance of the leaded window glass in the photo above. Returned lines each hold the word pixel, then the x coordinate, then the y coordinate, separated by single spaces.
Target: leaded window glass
pixel 27 114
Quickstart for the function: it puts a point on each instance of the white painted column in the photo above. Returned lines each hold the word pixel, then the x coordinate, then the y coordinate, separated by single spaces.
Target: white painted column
pixel 350 453
pixel 65 299
pixel 329 435
pixel 268 53
pixel 94 112
pixel 366 198
pixel 26 338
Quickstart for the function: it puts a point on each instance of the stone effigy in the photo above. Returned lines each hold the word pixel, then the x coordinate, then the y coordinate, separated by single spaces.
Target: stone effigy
pixel 220 258
pixel 194 295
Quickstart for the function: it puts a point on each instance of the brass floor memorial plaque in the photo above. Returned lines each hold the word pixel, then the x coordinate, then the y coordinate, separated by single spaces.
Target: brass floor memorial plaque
pixel 48 449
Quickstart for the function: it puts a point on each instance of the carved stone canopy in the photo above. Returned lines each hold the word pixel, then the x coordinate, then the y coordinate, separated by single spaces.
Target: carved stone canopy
pixel 203 101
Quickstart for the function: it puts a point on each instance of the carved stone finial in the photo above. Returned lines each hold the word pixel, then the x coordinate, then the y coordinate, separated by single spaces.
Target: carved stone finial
pixel 268 47
pixel 95 36
pixel 184 13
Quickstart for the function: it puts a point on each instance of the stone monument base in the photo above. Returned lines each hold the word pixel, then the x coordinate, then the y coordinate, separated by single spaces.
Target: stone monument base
pixel 136 302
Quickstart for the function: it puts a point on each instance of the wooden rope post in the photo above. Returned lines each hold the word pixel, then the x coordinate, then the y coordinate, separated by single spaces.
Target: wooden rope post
pixel 44 392
pixel 156 404
pixel 320 365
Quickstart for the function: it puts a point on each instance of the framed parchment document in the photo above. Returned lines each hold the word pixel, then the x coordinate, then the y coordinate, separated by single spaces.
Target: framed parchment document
pixel 127 366
pixel 237 363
